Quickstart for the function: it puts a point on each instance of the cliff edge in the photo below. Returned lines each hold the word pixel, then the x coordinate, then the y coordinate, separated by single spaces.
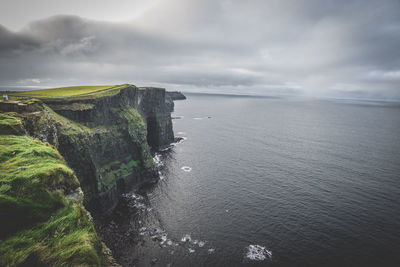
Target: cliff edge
pixel 98 142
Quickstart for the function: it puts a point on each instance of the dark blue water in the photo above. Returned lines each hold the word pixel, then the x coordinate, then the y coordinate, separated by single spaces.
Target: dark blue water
pixel 312 183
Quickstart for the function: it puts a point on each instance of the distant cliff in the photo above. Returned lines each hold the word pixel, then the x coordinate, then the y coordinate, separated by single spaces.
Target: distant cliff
pixel 170 97
pixel 174 95
pixel 104 137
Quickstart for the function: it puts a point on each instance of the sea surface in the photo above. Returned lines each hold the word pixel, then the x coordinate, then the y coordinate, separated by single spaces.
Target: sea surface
pixel 268 182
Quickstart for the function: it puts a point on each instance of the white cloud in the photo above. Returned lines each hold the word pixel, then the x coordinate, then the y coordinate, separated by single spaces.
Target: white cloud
pixel 319 48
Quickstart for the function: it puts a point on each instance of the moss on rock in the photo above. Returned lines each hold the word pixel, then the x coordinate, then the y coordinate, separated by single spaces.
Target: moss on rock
pixel 11 123
pixel 42 228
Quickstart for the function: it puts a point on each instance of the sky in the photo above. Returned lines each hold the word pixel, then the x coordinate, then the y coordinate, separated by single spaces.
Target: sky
pixel 317 48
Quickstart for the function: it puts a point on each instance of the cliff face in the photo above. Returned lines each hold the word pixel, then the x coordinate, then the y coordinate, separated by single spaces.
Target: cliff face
pixel 175 95
pixel 170 97
pixel 106 140
pixel 53 149
pixel 43 221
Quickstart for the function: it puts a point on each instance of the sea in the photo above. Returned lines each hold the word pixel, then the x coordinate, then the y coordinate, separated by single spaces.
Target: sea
pixel 268 181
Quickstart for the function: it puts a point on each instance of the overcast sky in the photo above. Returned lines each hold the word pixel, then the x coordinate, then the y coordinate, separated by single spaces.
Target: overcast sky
pixel 313 48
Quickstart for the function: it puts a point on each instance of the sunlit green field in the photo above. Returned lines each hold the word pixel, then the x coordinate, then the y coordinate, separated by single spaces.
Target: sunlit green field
pixel 63 91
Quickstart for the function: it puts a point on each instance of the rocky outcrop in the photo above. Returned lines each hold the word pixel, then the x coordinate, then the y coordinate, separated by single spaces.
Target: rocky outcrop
pixel 170 97
pixel 99 143
pixel 106 140
pixel 148 101
pixel 175 95
pixel 43 220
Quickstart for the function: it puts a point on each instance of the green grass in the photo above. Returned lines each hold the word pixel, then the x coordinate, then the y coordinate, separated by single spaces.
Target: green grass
pixel 68 238
pixel 39 226
pixel 115 170
pixel 63 91
pixel 11 123
pixel 31 176
pixel 74 106
pixel 109 92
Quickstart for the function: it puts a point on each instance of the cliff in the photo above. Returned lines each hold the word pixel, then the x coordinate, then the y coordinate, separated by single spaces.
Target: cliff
pixel 104 137
pixel 170 97
pixel 175 95
pixel 43 222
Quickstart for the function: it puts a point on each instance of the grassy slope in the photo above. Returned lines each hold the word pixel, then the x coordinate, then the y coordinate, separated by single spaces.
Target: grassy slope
pixel 10 123
pixel 63 91
pixel 68 93
pixel 42 228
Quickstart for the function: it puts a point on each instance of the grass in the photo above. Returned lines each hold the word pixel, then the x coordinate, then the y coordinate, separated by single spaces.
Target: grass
pixel 10 123
pixel 115 170
pixel 63 91
pixel 98 94
pixel 74 106
pixel 42 227
pixel 31 174
pixel 68 238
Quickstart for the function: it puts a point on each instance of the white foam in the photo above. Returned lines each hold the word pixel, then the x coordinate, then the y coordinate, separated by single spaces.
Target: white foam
pixel 211 250
pixel 132 196
pixel 198 118
pixel 182 138
pixel 201 244
pixel 135 201
pixel 142 230
pixel 195 242
pixel 169 243
pixel 140 206
pixel 186 168
pixel 163 238
pixel 181 133
pixel 258 253
pixel 191 250
pixel 186 238
pixel 157 160
pixel 167 148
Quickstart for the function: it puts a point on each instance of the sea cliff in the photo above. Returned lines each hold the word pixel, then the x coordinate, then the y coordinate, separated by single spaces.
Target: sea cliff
pixel 99 143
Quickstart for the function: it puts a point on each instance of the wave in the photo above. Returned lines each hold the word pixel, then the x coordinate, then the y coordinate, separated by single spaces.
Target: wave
pixel 186 169
pixel 258 253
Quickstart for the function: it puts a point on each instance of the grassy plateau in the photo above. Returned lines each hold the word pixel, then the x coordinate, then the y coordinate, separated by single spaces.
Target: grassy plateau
pixel 63 91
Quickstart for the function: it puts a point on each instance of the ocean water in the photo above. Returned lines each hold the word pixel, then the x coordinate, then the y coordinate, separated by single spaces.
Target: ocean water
pixel 268 182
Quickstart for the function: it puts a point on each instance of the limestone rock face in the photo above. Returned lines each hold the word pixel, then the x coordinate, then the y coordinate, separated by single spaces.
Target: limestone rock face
pixel 106 140
pixel 170 97
pixel 175 95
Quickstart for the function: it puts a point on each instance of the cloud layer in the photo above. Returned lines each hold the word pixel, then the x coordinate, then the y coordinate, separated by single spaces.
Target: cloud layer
pixel 315 48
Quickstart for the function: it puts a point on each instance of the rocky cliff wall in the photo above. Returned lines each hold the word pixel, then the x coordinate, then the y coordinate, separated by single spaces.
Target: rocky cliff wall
pixel 170 97
pixel 106 140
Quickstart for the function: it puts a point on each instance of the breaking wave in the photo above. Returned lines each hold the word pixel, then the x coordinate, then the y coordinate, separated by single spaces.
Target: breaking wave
pixel 258 253
pixel 186 168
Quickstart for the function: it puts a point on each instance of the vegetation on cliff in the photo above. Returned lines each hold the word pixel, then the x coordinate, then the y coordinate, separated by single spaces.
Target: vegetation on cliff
pixel 63 91
pixel 69 93
pixel 99 135
pixel 40 226
pixel 11 123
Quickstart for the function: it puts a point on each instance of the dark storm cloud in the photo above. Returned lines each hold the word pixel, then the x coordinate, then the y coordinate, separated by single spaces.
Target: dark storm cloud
pixel 322 48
